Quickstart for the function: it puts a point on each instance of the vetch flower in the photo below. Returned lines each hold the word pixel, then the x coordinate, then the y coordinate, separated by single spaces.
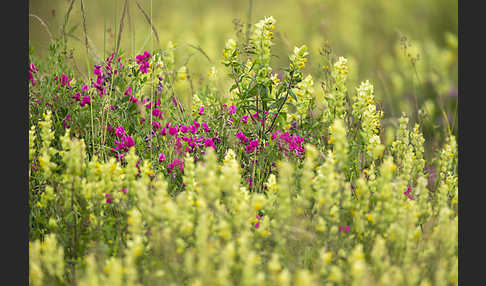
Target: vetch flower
pixel 244 119
pixel 120 131
pixel 161 157
pixel 232 110
pixel 86 100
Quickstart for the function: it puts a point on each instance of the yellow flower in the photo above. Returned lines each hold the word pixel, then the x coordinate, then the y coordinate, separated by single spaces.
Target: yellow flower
pixel 370 218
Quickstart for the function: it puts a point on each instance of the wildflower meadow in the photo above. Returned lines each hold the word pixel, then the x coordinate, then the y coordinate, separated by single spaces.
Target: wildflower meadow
pixel 244 168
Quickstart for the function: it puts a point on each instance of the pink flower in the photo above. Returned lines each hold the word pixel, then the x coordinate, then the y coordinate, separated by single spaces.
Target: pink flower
pixel 108 198
pixel 156 125
pixel 161 157
pixel 232 109
pixel 120 131
pixel 128 92
pixel 124 190
pixel 244 119
pixel 77 96
pixel 209 143
pixel 156 112
pixel 184 129
pixel 173 131
pixel 86 100
pixel 205 127
pixel 407 193
pixel 201 110
pixel 163 131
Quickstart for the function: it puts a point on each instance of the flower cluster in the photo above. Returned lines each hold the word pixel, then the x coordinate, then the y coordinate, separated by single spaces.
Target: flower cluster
pixel 289 143
pixel 63 81
pixel 142 61
pixel 32 70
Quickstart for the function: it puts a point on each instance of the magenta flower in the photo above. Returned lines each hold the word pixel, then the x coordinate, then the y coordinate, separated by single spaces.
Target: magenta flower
pixel 84 88
pixel 232 110
pixel 86 100
pixel 173 131
pixel 201 110
pixel 120 131
pixel 184 128
pixel 109 127
pixel 32 69
pixel 161 157
pixel 244 119
pixel 142 61
pixel 407 193
pixel 209 143
pixel 77 96
pixel 257 225
pixel 109 199
pixel 205 127
pixel 344 228
pixel 128 91
pixel 163 131
pixel 124 190
pixel 156 125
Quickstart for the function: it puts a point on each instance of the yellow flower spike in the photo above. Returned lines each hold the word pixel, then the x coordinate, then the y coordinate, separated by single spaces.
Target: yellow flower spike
pixel 332 213
pixel 370 218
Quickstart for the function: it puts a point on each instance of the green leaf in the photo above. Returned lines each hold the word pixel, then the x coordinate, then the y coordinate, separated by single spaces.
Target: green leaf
pixel 73 28
pixel 292 94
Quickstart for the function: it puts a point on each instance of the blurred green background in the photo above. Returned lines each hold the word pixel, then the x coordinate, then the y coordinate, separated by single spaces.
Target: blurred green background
pixel 406 48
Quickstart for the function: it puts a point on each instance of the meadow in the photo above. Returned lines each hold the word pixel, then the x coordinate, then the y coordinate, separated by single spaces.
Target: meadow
pixel 244 143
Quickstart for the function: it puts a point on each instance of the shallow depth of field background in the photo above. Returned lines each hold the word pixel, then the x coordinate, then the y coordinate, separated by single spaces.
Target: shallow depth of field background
pixel 367 32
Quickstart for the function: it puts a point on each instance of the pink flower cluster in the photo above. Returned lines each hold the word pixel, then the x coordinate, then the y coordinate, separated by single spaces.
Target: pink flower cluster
pixel 250 145
pixel 123 144
pixel 63 81
pixel 345 228
pixel 99 80
pixel 128 93
pixel 289 143
pixel 259 218
pixel 176 163
pixel 85 100
pixel 109 68
pixel 407 193
pixel 142 61
pixel 32 69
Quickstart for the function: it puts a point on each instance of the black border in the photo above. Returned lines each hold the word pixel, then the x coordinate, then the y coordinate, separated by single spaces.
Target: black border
pixel 14 186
